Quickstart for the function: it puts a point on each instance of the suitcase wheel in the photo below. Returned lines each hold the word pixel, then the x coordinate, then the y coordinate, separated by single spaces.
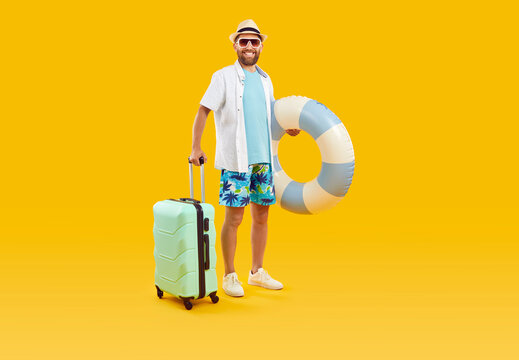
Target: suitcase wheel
pixel 160 293
pixel 214 298
pixel 188 305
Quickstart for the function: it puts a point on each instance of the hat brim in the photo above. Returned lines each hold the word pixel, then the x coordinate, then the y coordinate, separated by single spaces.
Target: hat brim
pixel 232 37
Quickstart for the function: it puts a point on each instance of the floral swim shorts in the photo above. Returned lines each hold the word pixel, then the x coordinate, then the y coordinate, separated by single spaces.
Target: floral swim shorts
pixel 256 185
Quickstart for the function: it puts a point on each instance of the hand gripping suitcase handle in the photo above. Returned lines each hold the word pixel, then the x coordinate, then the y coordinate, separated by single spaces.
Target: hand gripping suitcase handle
pixel 202 178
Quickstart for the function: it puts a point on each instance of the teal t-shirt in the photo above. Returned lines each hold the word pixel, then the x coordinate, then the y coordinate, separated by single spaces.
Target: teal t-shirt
pixel 256 122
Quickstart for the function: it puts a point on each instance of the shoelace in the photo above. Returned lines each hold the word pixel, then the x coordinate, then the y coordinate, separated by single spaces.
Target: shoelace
pixel 235 280
pixel 265 276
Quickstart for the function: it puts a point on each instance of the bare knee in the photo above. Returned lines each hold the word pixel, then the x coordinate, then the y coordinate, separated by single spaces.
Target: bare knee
pixel 233 216
pixel 260 214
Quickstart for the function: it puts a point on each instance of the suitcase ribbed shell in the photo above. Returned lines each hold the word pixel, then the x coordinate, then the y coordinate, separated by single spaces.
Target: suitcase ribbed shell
pixel 176 248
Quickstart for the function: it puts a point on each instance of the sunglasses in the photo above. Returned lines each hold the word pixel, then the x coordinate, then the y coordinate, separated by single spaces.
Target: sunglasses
pixel 244 42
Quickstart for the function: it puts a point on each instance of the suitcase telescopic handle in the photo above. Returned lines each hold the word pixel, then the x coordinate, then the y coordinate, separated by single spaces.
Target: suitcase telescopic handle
pixel 202 178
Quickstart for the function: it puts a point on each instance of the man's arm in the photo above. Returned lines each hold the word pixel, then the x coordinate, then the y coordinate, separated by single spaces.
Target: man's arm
pixel 198 129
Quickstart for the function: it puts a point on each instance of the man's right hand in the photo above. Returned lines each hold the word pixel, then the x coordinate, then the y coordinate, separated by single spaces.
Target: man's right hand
pixel 196 155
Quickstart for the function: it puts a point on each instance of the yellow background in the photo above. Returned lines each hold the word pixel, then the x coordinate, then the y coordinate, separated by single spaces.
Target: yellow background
pixel 419 261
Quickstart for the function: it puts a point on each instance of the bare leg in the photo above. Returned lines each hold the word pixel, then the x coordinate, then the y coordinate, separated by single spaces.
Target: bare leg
pixel 233 218
pixel 260 215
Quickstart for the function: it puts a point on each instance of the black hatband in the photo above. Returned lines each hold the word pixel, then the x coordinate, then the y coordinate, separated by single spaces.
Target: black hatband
pixel 249 29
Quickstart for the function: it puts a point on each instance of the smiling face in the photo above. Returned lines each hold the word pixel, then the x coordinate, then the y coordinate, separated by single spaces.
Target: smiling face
pixel 248 55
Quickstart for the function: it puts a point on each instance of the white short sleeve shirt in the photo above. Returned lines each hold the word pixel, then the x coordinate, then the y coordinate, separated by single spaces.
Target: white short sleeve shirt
pixel 224 96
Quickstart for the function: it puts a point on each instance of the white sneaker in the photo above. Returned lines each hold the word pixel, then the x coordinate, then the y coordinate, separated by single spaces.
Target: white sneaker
pixel 232 286
pixel 262 278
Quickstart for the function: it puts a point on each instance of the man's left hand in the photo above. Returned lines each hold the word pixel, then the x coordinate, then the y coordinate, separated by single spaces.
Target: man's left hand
pixel 293 132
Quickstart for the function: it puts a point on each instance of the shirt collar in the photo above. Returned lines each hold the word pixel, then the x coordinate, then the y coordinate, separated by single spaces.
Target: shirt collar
pixel 241 74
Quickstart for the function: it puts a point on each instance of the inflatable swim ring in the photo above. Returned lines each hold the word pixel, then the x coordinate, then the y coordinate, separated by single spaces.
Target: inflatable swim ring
pixel 338 160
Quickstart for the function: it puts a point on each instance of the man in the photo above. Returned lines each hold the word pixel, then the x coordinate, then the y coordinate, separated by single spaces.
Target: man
pixel 241 95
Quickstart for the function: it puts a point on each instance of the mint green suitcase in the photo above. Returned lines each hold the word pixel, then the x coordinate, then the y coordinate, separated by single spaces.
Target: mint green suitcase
pixel 185 255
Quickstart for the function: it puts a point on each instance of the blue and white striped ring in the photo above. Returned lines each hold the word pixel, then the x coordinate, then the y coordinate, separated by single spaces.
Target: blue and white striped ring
pixel 338 160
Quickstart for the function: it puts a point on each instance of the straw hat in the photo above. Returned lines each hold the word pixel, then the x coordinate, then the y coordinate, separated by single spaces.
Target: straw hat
pixel 247 27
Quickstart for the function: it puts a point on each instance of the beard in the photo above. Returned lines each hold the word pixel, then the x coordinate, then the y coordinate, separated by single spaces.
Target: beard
pixel 249 60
